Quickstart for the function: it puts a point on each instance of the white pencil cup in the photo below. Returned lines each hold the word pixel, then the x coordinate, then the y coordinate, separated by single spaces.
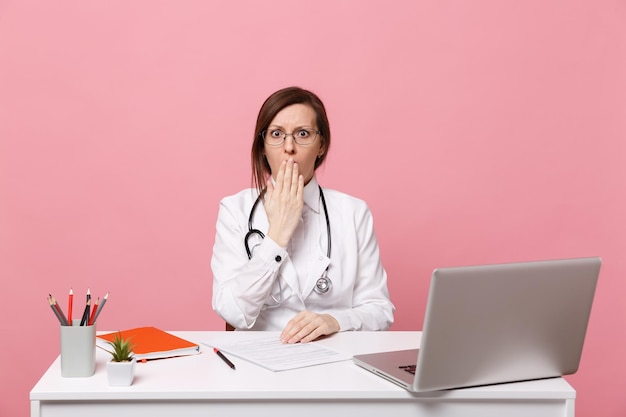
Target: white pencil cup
pixel 78 350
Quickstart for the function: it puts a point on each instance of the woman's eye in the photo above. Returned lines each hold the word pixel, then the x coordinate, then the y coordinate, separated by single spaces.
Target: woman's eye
pixel 303 133
pixel 276 133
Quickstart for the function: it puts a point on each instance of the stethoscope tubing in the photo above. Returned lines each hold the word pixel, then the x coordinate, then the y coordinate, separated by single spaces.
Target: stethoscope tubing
pixel 323 284
pixel 251 230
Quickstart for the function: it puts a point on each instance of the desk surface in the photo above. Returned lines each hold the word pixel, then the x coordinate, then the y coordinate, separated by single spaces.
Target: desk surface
pixel 205 379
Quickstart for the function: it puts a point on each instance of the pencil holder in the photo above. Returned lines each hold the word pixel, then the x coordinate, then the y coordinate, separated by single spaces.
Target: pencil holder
pixel 78 350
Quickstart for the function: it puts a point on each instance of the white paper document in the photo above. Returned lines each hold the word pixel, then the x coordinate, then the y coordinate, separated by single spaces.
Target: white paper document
pixel 265 349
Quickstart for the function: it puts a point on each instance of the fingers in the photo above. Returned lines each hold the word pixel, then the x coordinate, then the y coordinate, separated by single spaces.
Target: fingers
pixel 283 202
pixel 288 180
pixel 269 189
pixel 300 188
pixel 307 326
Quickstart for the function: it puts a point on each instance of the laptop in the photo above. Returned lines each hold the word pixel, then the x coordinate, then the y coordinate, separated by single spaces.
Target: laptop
pixel 495 324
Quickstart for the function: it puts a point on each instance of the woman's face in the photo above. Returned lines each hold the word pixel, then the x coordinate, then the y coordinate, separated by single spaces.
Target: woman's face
pixel 290 120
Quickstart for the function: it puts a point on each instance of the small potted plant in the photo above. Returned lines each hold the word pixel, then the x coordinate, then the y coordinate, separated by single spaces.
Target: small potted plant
pixel 121 367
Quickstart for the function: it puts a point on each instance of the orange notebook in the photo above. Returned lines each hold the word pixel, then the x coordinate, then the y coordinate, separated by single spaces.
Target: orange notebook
pixel 151 343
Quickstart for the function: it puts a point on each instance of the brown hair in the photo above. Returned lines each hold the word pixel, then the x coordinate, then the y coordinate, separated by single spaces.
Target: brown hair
pixel 271 107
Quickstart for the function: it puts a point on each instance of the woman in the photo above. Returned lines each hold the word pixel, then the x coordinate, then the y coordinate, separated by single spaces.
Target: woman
pixel 288 255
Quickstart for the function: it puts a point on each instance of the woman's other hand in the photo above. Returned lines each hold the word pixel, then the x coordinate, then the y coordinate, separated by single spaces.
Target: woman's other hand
pixel 307 326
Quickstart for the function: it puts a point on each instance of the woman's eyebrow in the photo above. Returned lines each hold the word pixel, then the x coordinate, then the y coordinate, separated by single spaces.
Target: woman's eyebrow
pixel 296 128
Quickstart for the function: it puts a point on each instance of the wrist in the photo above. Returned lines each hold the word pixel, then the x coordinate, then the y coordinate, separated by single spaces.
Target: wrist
pixel 280 239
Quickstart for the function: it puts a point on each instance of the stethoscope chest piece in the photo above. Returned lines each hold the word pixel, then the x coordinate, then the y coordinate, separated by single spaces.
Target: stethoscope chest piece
pixel 323 285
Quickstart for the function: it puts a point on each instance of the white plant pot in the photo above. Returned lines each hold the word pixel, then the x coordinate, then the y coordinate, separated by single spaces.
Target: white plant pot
pixel 121 374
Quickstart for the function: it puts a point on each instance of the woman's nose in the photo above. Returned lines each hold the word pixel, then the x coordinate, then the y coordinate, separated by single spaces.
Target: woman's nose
pixel 289 144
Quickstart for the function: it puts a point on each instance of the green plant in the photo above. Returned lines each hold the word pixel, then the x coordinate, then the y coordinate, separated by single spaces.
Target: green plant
pixel 122 349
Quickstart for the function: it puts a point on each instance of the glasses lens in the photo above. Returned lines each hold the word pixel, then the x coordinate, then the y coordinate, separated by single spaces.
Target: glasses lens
pixel 273 137
pixel 276 137
pixel 304 136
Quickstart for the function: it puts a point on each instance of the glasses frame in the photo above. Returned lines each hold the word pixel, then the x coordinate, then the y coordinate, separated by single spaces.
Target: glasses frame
pixel 264 132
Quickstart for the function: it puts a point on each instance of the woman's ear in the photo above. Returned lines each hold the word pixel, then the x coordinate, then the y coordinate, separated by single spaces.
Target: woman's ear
pixel 322 151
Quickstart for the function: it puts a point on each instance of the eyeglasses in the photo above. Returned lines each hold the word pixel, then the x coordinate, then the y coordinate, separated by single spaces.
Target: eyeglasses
pixel 276 137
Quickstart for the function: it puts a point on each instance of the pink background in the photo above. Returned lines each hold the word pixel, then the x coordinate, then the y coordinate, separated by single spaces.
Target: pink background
pixel 478 131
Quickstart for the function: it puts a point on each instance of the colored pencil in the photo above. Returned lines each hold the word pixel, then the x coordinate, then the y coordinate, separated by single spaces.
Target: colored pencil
pixel 54 310
pixel 70 305
pixel 104 300
pixel 58 309
pixel 92 317
pixel 85 318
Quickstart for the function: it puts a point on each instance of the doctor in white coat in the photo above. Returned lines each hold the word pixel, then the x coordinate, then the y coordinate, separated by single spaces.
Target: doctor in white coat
pixel 275 265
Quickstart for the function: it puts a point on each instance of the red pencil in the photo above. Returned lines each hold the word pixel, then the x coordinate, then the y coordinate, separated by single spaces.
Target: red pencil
pixel 93 312
pixel 70 304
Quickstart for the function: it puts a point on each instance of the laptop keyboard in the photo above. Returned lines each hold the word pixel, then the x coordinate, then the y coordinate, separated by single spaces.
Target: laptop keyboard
pixel 409 368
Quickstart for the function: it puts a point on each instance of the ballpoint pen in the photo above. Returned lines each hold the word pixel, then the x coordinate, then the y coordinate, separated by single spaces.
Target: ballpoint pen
pixel 224 358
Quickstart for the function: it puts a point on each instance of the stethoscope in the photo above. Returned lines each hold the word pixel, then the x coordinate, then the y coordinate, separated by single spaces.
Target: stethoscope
pixel 323 283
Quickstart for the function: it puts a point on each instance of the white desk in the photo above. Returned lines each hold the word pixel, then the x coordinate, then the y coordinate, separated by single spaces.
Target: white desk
pixel 202 385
